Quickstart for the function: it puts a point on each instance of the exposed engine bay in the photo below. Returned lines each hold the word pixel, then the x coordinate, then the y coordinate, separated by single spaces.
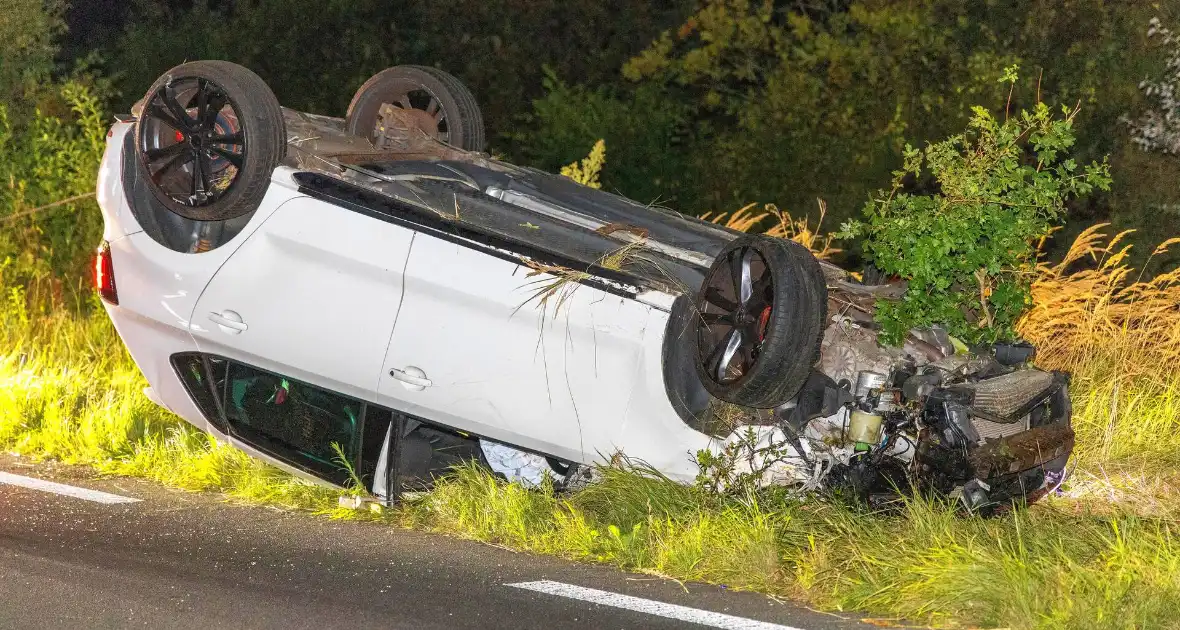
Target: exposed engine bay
pixel 931 416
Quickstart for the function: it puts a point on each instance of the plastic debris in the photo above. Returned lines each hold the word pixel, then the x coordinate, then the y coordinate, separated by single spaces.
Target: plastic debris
pixel 528 469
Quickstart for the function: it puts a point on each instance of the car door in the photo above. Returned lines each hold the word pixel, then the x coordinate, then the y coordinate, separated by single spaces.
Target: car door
pixel 312 295
pixel 474 349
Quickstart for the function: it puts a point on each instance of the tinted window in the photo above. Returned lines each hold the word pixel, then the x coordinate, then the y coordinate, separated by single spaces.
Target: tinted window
pixel 293 421
pixel 202 377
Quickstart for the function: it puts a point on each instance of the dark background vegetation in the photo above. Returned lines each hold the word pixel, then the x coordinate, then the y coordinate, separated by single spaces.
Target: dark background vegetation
pixel 704 105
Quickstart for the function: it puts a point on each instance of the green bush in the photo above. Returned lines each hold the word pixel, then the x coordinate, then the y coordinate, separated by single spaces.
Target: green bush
pixel 966 248
pixel 45 245
pixel 641 127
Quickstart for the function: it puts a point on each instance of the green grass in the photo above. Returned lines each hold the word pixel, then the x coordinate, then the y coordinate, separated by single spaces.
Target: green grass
pixel 1104 556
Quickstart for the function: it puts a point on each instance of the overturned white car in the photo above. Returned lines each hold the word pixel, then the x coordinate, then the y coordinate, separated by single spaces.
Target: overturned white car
pixel 375 293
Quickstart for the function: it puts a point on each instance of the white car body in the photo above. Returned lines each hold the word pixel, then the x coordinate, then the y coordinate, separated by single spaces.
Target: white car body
pixel 402 319
pixel 409 304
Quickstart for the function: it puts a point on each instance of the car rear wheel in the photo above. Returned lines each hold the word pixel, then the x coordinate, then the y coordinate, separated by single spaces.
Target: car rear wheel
pixel 433 101
pixel 208 138
pixel 759 319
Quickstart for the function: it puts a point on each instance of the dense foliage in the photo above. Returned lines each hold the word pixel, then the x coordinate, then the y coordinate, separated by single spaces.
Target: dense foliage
pixel 315 53
pixel 707 105
pixel 967 249
pixel 786 102
pixel 1158 127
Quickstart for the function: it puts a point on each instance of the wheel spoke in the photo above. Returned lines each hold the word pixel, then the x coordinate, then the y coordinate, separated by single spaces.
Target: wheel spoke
pixel 200 185
pixel 235 138
pixel 434 107
pixel 733 341
pixel 711 319
pixel 713 361
pixel 173 106
pixel 217 102
pixel 404 101
pixel 714 297
pixel 177 160
pixel 233 158
pixel 202 101
pixel 740 271
pixel 168 151
pixel 162 115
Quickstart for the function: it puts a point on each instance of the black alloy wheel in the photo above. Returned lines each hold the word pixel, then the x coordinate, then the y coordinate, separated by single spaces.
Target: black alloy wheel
pixel 759 318
pixel 738 302
pixel 197 149
pixel 208 138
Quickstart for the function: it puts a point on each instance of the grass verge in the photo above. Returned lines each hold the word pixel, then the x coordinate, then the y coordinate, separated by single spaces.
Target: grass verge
pixel 1105 555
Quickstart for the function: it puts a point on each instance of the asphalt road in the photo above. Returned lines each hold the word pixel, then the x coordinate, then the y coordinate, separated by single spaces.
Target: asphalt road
pixel 185 560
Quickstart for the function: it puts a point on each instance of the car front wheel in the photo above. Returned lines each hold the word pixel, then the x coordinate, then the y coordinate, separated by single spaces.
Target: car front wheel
pixel 759 318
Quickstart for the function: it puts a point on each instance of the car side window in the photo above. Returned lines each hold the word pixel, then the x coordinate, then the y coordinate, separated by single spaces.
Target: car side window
pixel 294 421
pixel 202 377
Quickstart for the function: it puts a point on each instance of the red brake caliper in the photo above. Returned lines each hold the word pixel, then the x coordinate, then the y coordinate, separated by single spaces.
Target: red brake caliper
pixel 763 320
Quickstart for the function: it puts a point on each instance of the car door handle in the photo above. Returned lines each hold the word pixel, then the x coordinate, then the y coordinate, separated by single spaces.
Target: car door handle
pixel 229 322
pixel 413 378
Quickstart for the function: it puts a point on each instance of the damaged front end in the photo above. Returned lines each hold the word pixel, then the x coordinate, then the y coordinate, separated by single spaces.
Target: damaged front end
pixel 929 417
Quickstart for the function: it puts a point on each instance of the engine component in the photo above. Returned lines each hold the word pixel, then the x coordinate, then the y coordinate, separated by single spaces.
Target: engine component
pixel 864 428
pixel 1022 451
pixel 867 381
pixel 989 430
pixel 1012 354
pixel 820 397
pixel 919 386
pixel 1009 397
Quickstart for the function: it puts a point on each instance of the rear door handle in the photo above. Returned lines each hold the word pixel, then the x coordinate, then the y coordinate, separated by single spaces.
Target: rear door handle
pixel 229 321
pixel 413 378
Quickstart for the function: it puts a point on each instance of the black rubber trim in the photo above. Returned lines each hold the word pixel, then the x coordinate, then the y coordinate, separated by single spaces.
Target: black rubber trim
pixel 369 203
pixel 215 416
pixel 682 385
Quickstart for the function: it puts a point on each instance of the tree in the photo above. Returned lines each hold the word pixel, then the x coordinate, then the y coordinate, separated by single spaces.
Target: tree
pixel 28 29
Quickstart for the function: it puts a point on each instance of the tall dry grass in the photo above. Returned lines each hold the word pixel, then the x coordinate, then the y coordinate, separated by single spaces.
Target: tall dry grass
pixel 1093 312
pixel 781 225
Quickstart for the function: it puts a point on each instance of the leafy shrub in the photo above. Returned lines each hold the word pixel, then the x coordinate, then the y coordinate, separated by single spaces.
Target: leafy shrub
pixel 45 244
pixel 966 249
pixel 649 159
pixel 588 170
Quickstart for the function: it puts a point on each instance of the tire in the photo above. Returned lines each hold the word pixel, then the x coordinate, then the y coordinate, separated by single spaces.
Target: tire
pixel 779 325
pixel 235 175
pixel 419 87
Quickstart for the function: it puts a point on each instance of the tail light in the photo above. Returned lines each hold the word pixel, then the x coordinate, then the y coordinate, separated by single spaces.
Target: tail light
pixel 104 274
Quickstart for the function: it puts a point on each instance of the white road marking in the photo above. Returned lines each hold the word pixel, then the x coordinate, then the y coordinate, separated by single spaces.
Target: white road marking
pixel 638 604
pixel 61 488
